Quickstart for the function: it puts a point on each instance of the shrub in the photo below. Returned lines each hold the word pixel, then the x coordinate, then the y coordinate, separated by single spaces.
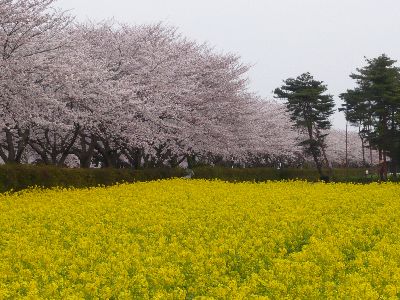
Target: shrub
pixel 19 177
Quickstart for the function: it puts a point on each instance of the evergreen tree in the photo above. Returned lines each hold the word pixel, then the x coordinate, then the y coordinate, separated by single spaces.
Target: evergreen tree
pixel 375 106
pixel 309 108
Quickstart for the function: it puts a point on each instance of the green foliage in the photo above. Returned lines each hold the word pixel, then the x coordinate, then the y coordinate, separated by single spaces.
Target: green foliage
pixel 310 109
pixel 306 101
pixel 374 105
pixel 265 174
pixel 18 177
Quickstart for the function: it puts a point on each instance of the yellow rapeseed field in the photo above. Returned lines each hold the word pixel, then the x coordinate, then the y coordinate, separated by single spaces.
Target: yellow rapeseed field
pixel 195 239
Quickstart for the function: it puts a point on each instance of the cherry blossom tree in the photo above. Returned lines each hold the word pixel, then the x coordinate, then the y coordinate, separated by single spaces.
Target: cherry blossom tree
pixel 173 98
pixel 275 140
pixel 30 32
pixel 130 96
pixel 336 150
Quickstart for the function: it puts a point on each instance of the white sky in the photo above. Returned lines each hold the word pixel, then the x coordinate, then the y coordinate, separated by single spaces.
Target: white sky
pixel 280 38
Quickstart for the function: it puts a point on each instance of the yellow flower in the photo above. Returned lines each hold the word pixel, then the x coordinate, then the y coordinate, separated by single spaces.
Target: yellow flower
pixel 197 239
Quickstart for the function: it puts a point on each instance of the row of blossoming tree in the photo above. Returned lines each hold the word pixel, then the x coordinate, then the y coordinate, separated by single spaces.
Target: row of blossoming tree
pixel 132 96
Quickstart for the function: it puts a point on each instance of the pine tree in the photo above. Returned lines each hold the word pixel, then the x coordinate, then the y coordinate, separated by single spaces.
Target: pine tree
pixel 309 108
pixel 375 105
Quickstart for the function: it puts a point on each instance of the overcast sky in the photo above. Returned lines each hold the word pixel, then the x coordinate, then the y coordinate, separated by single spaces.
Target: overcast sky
pixel 281 39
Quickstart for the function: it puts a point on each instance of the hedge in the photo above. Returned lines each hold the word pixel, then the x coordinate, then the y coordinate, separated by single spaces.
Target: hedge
pixel 18 177
pixel 264 174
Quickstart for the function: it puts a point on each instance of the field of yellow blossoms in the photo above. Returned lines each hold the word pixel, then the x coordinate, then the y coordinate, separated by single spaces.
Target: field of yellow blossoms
pixel 195 239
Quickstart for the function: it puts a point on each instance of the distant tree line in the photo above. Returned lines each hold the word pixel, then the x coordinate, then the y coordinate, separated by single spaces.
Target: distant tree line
pixel 373 106
pixel 124 96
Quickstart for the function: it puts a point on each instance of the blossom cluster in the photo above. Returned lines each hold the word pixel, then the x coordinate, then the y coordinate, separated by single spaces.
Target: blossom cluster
pixel 119 95
pixel 182 239
pixel 122 95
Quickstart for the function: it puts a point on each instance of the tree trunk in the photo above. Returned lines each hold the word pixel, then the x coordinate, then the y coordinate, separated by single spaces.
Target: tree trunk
pixel 177 161
pixel 109 156
pixel 314 152
pixel 347 149
pixel 385 169
pixel 66 146
pixel 363 153
pixel 134 157
pixel 191 161
pixel 11 152
pixel 53 147
pixel 370 155
pixel 85 150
